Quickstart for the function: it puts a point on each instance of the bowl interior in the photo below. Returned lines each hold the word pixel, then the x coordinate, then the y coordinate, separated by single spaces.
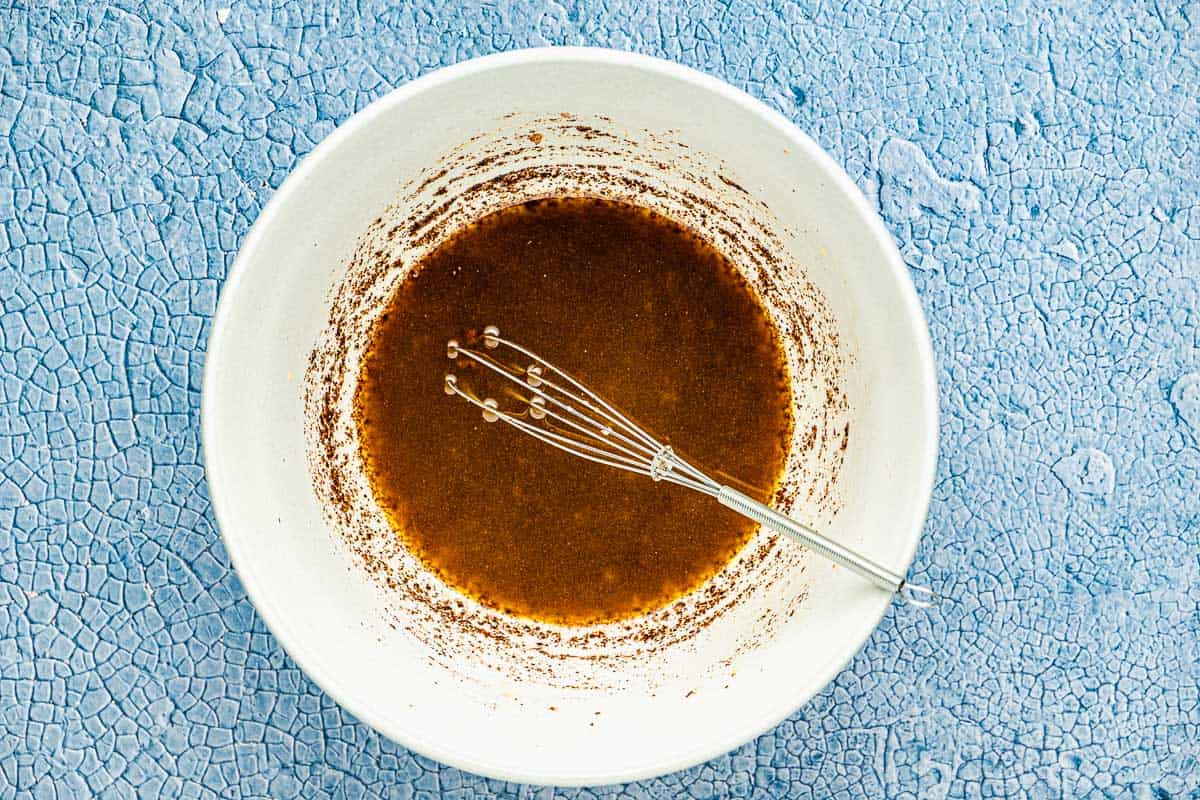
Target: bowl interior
pixel 276 303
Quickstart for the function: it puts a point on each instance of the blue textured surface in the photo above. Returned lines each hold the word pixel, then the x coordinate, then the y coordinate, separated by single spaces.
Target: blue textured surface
pixel 1040 171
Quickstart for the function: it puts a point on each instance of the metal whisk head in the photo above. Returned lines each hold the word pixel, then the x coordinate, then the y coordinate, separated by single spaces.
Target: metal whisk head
pixel 557 409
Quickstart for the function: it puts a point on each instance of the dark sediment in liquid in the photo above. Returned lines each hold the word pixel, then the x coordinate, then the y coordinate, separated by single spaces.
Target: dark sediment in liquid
pixel 645 313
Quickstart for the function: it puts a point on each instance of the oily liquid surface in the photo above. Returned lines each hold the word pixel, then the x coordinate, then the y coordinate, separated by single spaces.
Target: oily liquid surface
pixel 647 315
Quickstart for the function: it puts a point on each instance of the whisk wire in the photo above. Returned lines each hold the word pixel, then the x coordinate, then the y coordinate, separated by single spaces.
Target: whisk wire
pixel 574 445
pixel 662 455
pixel 599 428
pixel 605 409
pixel 613 440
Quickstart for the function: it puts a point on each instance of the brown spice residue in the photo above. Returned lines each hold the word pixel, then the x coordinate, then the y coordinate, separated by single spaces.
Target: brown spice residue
pixel 733 184
pixel 684 185
pixel 433 178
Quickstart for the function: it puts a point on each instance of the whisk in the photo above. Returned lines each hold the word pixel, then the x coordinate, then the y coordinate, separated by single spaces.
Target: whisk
pixel 562 412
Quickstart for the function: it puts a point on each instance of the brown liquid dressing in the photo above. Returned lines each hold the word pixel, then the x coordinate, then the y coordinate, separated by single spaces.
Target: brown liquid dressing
pixel 650 317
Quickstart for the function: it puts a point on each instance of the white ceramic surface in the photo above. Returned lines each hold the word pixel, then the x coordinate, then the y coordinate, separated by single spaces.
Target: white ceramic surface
pixel 276 301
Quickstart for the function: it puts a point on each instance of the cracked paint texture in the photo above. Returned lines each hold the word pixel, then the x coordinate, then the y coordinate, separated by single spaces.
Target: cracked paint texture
pixel 1039 165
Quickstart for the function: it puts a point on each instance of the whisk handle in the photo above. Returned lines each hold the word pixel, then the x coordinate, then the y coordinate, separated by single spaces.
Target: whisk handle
pixel 878 574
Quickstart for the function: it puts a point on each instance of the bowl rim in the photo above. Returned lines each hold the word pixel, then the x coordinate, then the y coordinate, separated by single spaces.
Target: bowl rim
pixel 225 515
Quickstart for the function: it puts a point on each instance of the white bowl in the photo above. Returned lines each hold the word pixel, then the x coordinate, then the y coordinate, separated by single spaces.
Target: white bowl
pixel 275 305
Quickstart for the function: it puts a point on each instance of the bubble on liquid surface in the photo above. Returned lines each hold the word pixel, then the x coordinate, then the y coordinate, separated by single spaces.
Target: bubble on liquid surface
pixel 491 337
pixel 490 413
pixel 451 385
pixel 533 375
pixel 452 349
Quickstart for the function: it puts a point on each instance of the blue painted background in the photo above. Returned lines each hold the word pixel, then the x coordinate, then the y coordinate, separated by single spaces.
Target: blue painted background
pixel 1041 172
